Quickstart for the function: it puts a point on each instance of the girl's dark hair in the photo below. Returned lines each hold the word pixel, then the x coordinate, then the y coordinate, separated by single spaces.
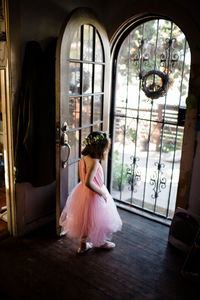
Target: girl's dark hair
pixel 97 143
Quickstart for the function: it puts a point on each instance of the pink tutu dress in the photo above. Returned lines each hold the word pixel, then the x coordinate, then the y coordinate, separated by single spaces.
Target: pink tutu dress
pixel 87 214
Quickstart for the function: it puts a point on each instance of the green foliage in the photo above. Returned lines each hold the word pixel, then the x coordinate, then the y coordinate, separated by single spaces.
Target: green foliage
pixel 131 133
pixel 167 146
pixel 119 175
pixel 191 101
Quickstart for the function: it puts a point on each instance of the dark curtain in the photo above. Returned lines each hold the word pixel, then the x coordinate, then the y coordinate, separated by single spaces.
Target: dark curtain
pixel 35 134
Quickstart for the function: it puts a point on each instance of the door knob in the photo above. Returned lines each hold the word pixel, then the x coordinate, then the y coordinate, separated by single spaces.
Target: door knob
pixel 65 127
pixel 64 141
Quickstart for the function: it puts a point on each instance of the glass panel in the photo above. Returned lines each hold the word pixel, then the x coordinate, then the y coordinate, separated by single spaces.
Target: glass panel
pixel 158 110
pixel 151 156
pixel 132 92
pixel 98 49
pixel 167 181
pixel 122 76
pixel 97 107
pixel 150 184
pixel 84 134
pixel 87 78
pixel 175 176
pixel 76 45
pixel 186 76
pixel 86 110
pixel 88 43
pixel 146 135
pixel 97 127
pixel 119 174
pixel 145 108
pixel 117 171
pixel 74 143
pixel 74 112
pixel 74 78
pixel 98 78
pixel 73 176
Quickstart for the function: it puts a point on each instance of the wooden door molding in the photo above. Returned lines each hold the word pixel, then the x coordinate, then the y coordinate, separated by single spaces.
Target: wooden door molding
pixel 8 130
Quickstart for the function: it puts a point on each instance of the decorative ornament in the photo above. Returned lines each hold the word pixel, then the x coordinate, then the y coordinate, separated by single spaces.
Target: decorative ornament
pixel 94 139
pixel 158 87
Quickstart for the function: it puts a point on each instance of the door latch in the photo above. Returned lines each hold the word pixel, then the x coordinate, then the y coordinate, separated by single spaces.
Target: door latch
pixel 64 141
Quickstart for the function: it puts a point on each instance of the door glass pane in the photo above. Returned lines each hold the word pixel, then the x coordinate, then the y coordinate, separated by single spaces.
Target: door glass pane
pixel 86 110
pixel 76 45
pixel 74 143
pixel 72 176
pixel 98 78
pixel 97 107
pixel 88 43
pixel 74 112
pixel 98 50
pixel 87 78
pixel 74 78
pixel 84 133
pixel 97 127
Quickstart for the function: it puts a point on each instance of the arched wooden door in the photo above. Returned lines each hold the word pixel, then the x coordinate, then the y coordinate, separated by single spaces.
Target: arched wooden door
pixel 82 95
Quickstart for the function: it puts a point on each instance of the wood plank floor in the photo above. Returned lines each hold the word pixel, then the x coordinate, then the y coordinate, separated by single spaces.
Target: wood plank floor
pixel 3 224
pixel 142 266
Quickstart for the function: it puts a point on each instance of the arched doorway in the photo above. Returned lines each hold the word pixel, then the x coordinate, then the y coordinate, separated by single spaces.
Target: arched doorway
pixel 151 74
pixel 82 95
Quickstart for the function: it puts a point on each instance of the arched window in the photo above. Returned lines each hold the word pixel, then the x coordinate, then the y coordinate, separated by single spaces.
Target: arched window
pixel 151 85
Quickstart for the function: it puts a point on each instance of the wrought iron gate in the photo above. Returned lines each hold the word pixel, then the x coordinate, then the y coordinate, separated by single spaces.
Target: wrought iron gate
pixel 152 75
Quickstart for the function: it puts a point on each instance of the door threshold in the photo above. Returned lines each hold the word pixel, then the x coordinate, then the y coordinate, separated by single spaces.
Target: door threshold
pixel 144 214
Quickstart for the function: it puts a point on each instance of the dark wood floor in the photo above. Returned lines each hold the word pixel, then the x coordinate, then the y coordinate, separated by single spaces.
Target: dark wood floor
pixel 2 196
pixel 3 224
pixel 142 266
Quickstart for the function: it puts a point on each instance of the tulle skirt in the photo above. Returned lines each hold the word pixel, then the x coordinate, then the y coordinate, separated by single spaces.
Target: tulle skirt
pixel 86 214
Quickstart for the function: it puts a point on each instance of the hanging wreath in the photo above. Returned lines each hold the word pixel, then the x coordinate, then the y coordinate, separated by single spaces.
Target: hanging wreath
pixel 158 87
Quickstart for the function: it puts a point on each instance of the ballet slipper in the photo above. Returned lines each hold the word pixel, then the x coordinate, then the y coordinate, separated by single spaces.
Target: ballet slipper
pixel 63 233
pixel 88 247
pixel 108 245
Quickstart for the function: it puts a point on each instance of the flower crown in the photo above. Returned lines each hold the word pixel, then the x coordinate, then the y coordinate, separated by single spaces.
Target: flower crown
pixel 95 139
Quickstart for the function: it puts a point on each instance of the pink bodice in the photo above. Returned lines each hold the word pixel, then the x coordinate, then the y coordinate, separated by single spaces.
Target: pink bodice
pixel 99 176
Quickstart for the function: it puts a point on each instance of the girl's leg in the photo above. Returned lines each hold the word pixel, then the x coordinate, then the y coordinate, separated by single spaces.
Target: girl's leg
pixel 83 243
pixel 84 246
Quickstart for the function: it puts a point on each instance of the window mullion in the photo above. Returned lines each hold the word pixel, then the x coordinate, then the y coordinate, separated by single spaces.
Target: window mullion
pixel 81 89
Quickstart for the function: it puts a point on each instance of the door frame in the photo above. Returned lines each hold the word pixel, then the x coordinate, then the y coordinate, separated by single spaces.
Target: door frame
pixel 8 129
pixel 77 18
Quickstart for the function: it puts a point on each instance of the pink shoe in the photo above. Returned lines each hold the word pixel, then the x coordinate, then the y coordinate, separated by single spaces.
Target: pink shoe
pixel 108 245
pixel 88 247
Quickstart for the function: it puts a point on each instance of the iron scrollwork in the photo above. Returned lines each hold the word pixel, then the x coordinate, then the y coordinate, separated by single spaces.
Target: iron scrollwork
pixel 168 58
pixel 133 175
pixel 158 180
pixel 141 55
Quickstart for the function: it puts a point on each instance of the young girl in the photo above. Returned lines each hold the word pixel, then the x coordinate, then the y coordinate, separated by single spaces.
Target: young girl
pixel 90 213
